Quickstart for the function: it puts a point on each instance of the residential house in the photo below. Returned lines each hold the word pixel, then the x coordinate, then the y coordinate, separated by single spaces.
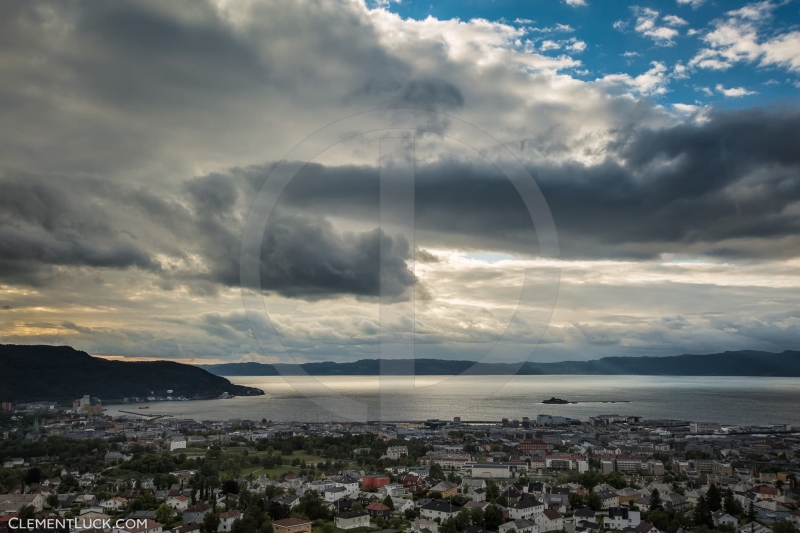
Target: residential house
pixel 525 509
pixel 441 509
pixel 477 495
pixel 349 483
pixel 292 525
pixel 333 494
pixel 608 499
pixel 722 518
pixel 770 512
pixel 549 520
pixel 179 503
pixel 413 482
pixel 11 503
pixel 351 519
pixel 621 518
pixel 401 505
pixel 585 514
pixel 196 513
pixel 520 526
pixel 444 490
pixel 376 509
pixel 177 443
pixel 113 504
pixel 226 519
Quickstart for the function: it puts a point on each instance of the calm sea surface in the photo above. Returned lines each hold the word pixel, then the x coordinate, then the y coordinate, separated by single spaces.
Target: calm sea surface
pixel 730 400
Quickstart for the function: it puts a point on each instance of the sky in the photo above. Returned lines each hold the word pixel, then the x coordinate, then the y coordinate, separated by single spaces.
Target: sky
pixel 137 137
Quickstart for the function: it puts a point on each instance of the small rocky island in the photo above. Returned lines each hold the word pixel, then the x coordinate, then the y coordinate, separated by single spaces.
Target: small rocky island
pixel 556 401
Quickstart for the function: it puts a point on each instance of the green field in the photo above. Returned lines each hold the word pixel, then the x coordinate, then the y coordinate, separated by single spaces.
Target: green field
pixel 278 471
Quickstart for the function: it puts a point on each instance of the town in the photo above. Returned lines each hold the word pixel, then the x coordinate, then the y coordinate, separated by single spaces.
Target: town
pixel 143 473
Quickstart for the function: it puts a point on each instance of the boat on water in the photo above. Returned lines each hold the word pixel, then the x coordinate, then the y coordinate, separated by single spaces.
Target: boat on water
pixel 554 400
pixel 145 407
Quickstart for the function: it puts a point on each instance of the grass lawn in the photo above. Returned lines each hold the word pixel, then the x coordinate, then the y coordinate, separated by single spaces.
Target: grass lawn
pixel 278 471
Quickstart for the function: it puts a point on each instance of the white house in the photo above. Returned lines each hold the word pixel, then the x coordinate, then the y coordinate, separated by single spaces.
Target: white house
pixel 113 504
pixel 352 519
pixel 525 509
pixel 333 494
pixel 177 443
pixel 401 505
pixel 721 517
pixel 179 503
pixel 549 520
pixel 226 520
pixel 621 518
pixel 349 483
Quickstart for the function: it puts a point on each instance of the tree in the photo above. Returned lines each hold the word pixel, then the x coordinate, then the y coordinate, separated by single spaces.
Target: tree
pixel 594 502
pixel 387 501
pixel 463 519
pixel 164 514
pixel 266 527
pixel 52 501
pixel 230 486
pixel 714 498
pixel 751 512
pixel 784 526
pixel 312 506
pixel 731 505
pixel 436 472
pixel 210 523
pixel 33 476
pixel 493 517
pixel 702 513
pixel 655 500
pixel 477 516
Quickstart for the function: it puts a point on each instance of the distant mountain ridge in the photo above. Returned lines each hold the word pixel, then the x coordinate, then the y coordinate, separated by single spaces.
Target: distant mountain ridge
pixel 738 363
pixel 61 373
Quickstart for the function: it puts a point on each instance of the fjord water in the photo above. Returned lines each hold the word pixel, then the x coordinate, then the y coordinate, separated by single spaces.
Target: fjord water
pixel 729 400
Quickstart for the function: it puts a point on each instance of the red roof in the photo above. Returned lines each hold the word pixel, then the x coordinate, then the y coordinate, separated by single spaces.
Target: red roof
pixel 377 506
pixel 552 514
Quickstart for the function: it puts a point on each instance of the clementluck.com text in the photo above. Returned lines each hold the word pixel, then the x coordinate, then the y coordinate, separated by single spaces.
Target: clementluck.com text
pixel 73 524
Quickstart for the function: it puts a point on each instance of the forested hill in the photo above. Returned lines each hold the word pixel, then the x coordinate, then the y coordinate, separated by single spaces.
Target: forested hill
pixel 61 373
pixel 741 363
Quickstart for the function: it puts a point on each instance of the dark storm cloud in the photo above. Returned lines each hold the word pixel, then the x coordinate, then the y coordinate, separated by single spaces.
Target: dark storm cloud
pixel 723 187
pixel 307 258
pixel 53 222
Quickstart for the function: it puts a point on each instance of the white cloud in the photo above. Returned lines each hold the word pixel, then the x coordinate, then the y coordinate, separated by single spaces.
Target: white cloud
pixel 685 108
pixel 549 45
pixel 649 83
pixel 577 46
pixel 523 21
pixel 647 25
pixel 631 54
pixel 680 71
pixel 674 20
pixel 566 28
pixel 694 3
pixel 734 92
pixel 738 38
pixel 619 25
pixel 575 3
